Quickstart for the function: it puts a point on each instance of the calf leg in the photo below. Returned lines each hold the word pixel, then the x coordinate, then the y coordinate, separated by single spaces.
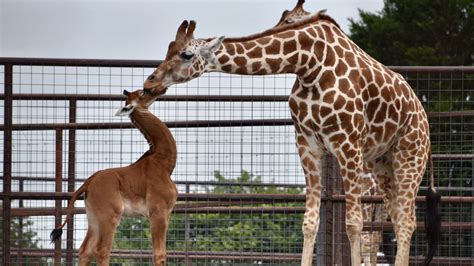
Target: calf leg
pixel 106 237
pixel 159 220
pixel 88 247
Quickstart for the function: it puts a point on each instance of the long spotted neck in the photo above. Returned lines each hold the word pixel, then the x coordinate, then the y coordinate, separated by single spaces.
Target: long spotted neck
pixel 159 137
pixel 300 51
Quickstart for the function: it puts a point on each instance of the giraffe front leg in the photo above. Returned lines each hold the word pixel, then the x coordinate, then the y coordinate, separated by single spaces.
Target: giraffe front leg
pixel 351 167
pixel 312 166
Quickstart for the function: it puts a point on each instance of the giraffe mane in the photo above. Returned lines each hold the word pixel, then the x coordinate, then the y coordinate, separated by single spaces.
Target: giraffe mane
pixel 316 17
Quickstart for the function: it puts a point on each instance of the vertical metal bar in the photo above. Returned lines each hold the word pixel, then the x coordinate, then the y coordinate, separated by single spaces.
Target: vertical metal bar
pixel 187 260
pixel 20 228
pixel 71 174
pixel 7 163
pixel 329 228
pixel 58 184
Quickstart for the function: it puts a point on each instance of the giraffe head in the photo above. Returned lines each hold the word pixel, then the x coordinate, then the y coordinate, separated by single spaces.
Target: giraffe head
pixel 187 58
pixel 295 15
pixel 138 100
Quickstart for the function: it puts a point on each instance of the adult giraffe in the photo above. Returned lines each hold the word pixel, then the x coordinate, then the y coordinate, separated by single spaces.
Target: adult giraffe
pixel 344 102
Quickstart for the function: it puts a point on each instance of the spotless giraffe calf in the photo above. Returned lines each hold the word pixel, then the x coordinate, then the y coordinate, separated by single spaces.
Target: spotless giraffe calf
pixel 143 188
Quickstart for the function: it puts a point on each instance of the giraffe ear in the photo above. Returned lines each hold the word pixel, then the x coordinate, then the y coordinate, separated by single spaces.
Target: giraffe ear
pixel 212 46
pixel 126 110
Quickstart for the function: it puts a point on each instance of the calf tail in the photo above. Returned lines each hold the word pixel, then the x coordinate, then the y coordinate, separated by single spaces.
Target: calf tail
pixel 56 233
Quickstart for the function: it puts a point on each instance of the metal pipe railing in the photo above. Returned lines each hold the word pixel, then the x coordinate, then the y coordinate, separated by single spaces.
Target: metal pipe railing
pixel 22 61
pixel 236 197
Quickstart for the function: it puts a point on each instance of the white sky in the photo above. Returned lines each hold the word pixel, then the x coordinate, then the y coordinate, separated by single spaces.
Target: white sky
pixel 140 29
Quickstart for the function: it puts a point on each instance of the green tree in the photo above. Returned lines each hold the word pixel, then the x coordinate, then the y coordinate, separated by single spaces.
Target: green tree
pixel 422 32
pixel 261 232
pixel 22 237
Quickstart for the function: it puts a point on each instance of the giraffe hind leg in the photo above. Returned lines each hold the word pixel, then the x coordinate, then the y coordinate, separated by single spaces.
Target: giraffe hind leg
pixel 407 176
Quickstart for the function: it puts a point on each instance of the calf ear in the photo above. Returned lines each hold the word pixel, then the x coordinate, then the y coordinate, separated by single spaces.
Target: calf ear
pixel 126 110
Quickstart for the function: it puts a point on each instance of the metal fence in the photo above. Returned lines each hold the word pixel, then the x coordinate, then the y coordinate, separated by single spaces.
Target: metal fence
pixel 241 186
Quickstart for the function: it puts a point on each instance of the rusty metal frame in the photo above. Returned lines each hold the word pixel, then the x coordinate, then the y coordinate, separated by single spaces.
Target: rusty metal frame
pixel 213 203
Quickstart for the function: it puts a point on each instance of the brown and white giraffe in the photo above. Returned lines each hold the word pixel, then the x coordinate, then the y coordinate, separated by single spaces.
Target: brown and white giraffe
pixel 370 242
pixel 344 102
pixel 143 188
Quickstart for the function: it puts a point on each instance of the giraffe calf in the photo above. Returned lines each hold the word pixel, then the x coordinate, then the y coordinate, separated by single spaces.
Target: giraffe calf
pixel 143 188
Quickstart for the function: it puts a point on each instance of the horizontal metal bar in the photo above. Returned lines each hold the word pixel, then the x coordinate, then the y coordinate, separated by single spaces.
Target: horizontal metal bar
pixel 450 114
pixel 196 123
pixel 194 183
pixel 433 69
pixel 224 255
pixel 175 98
pixel 237 184
pixel 182 208
pixel 74 62
pixel 387 226
pixel 170 124
pixel 272 198
pixel 155 63
pixel 175 254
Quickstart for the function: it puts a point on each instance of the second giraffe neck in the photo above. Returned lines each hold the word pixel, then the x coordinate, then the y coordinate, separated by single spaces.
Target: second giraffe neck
pixel 293 51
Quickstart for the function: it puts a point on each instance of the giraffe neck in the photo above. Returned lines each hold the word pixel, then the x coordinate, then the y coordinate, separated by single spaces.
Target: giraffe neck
pixel 296 51
pixel 159 138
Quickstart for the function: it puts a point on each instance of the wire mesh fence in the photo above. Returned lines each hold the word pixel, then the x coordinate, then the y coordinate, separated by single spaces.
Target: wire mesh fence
pixel 238 174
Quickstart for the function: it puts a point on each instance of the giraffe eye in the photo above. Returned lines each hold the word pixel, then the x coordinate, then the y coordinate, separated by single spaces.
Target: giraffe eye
pixel 186 56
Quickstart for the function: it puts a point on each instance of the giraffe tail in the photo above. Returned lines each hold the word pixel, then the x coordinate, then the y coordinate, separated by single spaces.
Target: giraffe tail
pixel 57 232
pixel 432 217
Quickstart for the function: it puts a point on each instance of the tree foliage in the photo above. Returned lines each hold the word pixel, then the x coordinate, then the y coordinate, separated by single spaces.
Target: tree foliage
pixel 21 234
pixel 23 237
pixel 422 32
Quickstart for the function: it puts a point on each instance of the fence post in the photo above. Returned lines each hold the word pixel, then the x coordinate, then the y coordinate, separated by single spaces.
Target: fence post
pixel 187 261
pixel 7 164
pixel 20 228
pixel 58 185
pixel 328 177
pixel 71 176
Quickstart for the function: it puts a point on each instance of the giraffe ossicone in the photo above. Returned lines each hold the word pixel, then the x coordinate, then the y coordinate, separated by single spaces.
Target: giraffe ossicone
pixel 343 102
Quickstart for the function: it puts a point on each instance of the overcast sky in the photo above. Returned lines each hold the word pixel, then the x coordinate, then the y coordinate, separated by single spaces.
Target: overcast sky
pixel 140 29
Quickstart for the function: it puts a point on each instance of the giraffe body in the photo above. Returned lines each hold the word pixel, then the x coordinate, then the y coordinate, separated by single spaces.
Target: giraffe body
pixel 343 102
